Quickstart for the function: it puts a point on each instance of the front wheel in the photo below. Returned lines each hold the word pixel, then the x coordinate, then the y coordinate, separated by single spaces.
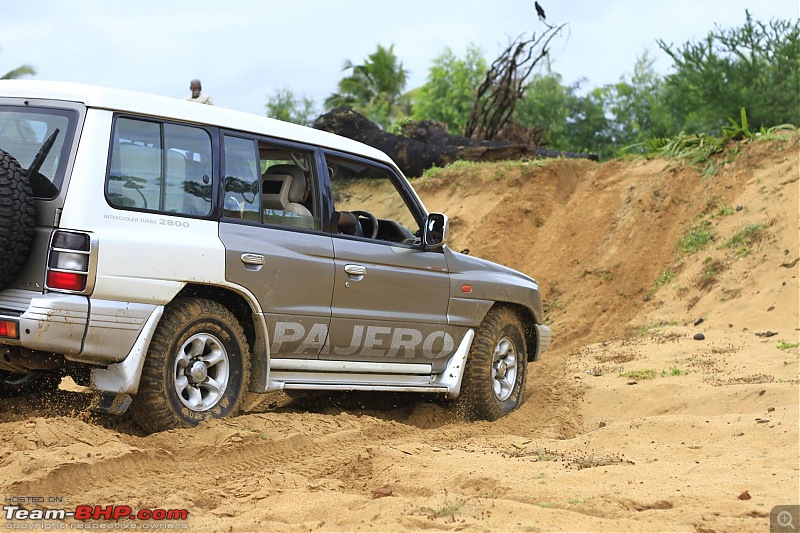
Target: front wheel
pixel 494 377
pixel 196 367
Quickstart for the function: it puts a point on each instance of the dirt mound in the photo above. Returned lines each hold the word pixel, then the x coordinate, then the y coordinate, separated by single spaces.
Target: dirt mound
pixel 630 423
pixel 599 236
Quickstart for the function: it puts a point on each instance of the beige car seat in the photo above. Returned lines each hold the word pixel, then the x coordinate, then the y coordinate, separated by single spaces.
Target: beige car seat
pixel 296 190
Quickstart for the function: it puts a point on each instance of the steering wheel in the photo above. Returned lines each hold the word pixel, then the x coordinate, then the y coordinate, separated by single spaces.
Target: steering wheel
pixel 372 219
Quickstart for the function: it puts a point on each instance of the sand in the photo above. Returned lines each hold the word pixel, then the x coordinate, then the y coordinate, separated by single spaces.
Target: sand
pixel 630 424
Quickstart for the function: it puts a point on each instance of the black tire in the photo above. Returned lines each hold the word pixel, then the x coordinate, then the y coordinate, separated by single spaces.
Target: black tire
pixel 14 384
pixel 494 377
pixel 179 388
pixel 16 218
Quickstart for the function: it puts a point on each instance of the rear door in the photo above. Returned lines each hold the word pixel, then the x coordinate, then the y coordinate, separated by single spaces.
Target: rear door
pixel 284 259
pixel 25 127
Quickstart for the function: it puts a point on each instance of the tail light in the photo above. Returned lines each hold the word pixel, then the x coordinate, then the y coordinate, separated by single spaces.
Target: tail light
pixel 70 262
pixel 8 329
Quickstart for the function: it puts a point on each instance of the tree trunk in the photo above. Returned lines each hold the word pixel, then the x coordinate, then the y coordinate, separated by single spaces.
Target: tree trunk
pixel 428 145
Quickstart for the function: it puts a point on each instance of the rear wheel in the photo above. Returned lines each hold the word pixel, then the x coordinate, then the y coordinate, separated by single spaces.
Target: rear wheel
pixel 494 377
pixel 196 367
pixel 16 218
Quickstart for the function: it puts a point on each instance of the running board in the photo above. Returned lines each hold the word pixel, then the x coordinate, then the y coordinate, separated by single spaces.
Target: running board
pixel 321 365
pixel 364 387
pixel 366 376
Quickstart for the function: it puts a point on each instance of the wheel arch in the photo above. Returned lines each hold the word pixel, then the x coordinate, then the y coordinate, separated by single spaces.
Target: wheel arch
pixel 247 315
pixel 528 319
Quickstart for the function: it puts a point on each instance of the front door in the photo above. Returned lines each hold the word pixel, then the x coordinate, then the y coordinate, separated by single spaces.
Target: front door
pixel 390 297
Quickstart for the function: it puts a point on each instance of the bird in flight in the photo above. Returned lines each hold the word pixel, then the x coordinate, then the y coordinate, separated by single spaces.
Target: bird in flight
pixel 539 10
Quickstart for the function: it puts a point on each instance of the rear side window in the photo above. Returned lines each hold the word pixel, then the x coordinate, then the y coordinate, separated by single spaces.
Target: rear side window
pixel 23 133
pixel 160 167
pixel 242 192
pixel 269 183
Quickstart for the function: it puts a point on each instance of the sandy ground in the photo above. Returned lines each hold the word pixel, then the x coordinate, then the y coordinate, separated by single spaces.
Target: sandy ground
pixel 629 425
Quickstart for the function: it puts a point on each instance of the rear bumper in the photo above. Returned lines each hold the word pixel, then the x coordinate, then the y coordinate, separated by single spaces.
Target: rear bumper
pixel 82 329
pixel 49 322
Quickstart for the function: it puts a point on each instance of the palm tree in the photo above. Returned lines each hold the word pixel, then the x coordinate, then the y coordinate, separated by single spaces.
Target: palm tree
pixel 373 88
pixel 24 70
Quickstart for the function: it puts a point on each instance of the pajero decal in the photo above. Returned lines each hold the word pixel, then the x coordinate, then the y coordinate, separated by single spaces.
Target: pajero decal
pixel 370 341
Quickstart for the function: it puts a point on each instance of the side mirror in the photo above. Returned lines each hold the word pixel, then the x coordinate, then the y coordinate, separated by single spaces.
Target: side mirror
pixel 435 231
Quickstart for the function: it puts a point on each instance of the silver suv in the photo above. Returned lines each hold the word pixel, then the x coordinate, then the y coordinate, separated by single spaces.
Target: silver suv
pixel 175 256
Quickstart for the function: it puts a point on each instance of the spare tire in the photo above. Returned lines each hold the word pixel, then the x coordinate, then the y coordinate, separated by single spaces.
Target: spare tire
pixel 16 218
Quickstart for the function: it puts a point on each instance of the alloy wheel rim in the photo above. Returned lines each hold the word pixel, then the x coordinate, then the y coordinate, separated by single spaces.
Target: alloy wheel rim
pixel 201 372
pixel 504 368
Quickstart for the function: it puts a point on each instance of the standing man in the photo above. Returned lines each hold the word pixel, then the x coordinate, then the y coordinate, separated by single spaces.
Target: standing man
pixel 195 96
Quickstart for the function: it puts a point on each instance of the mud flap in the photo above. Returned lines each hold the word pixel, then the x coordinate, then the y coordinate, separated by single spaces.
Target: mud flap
pixel 111 403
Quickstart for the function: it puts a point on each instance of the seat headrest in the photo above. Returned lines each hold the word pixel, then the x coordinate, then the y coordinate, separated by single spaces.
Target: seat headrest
pixel 275 188
pixel 297 188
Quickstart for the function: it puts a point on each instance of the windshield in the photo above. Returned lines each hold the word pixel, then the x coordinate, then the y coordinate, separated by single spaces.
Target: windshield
pixel 23 131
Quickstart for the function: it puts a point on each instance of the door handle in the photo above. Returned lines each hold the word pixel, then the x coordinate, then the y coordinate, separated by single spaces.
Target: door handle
pixel 252 259
pixel 355 270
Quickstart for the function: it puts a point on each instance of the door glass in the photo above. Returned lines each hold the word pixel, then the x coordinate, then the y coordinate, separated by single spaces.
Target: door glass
pixel 288 187
pixel 271 184
pixel 242 183
pixel 361 190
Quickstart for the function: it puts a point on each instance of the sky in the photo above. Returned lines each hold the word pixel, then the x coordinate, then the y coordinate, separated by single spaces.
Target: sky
pixel 244 51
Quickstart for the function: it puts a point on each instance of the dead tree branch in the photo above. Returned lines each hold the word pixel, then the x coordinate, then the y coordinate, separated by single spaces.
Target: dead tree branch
pixel 505 84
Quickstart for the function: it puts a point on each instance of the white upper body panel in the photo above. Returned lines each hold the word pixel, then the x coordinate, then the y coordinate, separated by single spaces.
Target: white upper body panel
pixel 143 257
pixel 181 110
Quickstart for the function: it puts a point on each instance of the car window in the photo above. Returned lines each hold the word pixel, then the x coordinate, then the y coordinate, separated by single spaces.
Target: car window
pixel 23 131
pixel 242 184
pixel 271 184
pixel 160 167
pixel 362 187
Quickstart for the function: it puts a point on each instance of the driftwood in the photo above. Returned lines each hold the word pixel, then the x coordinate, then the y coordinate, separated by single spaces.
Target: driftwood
pixel 505 84
pixel 427 144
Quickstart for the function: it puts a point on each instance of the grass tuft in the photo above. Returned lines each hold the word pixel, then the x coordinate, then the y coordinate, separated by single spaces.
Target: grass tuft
pixel 697 238
pixel 743 239
pixel 674 371
pixel 448 509
pixel 665 277
pixel 699 148
pixel 645 373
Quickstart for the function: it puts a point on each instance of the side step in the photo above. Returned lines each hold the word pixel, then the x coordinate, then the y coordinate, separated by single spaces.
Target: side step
pixel 362 387
pixel 367 376
pixel 355 381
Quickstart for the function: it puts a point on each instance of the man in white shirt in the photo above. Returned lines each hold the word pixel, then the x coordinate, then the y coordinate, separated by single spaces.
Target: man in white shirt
pixel 196 96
